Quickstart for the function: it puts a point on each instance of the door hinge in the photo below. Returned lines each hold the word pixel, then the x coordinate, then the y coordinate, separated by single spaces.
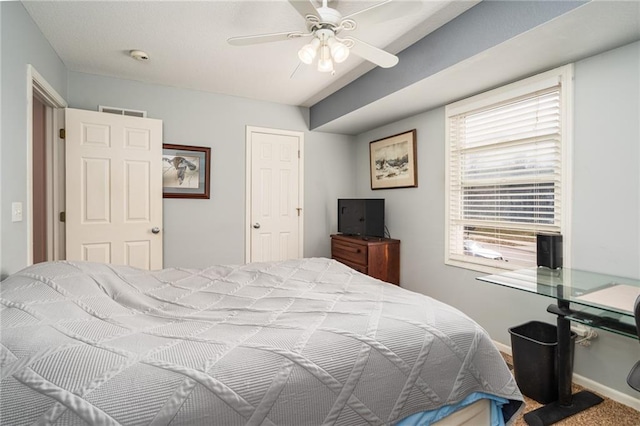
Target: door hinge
pixel 63 217
pixel 299 210
pixel 63 133
pixel 298 153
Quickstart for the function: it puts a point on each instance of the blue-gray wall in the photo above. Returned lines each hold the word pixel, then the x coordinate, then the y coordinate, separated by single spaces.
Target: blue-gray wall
pixel 1 205
pixel 606 177
pixel 198 233
pixel 606 222
pixel 22 43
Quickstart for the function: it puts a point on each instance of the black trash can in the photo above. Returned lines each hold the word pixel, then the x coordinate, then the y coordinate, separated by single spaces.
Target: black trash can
pixel 534 346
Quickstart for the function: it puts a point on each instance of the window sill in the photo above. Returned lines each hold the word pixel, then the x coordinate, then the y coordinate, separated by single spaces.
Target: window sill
pixel 477 267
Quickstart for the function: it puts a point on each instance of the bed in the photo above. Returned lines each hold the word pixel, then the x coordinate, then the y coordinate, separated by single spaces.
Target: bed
pixel 299 342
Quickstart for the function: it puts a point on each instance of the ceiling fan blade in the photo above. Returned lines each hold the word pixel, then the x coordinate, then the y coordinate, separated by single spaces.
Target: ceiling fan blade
pixel 372 53
pixel 304 8
pixel 263 38
pixel 383 11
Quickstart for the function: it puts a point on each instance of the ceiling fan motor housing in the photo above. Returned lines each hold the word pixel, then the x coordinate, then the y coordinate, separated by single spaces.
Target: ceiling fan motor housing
pixel 328 17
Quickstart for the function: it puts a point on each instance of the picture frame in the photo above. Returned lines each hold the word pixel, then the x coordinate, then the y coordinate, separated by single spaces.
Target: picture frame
pixel 185 171
pixel 393 161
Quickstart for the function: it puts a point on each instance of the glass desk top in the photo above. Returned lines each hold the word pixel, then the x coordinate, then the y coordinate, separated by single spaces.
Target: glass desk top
pixel 604 301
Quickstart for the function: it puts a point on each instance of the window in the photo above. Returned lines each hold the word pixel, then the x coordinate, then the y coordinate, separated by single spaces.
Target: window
pixel 507 159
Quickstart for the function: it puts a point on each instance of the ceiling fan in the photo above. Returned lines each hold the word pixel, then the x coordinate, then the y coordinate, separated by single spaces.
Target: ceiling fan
pixel 323 25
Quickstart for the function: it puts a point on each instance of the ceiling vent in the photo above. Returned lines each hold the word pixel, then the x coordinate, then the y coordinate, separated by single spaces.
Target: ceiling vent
pixel 122 111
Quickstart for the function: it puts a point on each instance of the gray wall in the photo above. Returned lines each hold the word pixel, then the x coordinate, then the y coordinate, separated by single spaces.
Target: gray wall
pixel 216 226
pixel 605 222
pixel 1 208
pixel 22 43
pixel 329 174
pixel 198 233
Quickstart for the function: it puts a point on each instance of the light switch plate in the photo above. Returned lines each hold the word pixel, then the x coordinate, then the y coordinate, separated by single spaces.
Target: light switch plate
pixel 16 212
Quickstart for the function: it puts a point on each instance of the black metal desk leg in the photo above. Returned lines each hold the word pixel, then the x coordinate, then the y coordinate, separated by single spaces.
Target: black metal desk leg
pixel 563 356
pixel 567 405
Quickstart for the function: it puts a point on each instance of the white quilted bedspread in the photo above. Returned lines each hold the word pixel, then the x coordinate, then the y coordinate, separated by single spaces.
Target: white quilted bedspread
pixel 304 342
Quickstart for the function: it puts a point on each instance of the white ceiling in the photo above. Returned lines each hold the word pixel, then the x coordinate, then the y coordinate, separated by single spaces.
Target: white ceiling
pixel 186 42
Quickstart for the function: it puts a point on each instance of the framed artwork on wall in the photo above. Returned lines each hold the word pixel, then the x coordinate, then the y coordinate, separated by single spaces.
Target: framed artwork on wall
pixel 393 161
pixel 185 171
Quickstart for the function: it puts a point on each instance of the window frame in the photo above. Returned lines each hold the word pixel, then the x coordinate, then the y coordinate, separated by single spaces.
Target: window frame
pixel 564 76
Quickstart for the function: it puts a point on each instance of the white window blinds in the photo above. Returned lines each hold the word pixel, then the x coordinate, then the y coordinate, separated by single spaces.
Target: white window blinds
pixel 505 174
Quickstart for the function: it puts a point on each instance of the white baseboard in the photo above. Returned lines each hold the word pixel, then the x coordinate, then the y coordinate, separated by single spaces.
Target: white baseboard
pixel 591 385
pixel 610 393
pixel 503 348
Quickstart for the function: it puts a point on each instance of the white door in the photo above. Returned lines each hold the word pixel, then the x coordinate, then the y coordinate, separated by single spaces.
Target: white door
pixel 114 189
pixel 274 194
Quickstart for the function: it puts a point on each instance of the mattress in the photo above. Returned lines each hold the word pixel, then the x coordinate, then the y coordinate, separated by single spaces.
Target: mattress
pixel 300 342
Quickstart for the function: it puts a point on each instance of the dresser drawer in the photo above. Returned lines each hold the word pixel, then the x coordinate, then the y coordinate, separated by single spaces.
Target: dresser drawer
pixel 377 257
pixel 355 253
pixel 360 268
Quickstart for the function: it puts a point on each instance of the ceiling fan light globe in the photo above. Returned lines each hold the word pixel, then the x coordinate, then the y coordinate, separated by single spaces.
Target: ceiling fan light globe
pixel 307 53
pixel 339 51
pixel 325 65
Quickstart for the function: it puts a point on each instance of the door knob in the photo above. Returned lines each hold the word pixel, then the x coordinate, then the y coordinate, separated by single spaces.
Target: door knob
pixel 155 230
pixel 256 225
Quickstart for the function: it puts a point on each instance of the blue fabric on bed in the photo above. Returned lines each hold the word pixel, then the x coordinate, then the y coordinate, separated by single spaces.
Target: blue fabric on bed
pixel 426 418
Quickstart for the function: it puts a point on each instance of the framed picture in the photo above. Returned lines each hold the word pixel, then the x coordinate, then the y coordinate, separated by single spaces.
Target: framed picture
pixel 185 171
pixel 393 161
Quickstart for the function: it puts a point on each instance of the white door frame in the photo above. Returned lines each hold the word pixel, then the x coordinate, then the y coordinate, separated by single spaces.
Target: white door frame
pixel 248 176
pixel 37 85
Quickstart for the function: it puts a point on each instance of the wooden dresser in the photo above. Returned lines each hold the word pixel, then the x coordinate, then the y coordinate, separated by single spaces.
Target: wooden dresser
pixel 376 257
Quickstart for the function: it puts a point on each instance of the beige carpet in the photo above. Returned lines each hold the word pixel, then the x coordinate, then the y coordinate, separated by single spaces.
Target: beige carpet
pixel 607 413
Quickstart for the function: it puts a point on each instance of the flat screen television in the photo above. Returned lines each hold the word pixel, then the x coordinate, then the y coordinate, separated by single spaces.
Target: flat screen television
pixel 361 216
